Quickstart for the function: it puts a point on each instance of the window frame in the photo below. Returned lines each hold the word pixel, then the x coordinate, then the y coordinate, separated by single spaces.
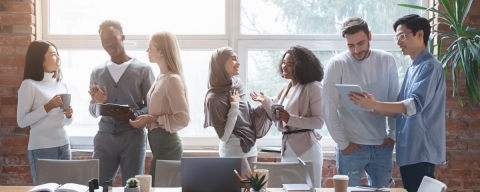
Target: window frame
pixel 240 42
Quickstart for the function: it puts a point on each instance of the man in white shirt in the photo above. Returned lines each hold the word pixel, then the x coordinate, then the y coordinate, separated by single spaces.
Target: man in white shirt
pixel 363 141
pixel 121 80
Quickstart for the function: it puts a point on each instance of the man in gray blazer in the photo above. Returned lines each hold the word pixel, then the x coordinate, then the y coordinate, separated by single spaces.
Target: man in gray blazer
pixel 121 80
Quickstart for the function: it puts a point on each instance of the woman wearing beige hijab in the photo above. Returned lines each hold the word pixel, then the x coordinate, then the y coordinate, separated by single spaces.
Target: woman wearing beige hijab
pixel 238 125
pixel 167 101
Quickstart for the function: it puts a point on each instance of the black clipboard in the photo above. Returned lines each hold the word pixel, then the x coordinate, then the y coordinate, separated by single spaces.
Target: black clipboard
pixel 102 109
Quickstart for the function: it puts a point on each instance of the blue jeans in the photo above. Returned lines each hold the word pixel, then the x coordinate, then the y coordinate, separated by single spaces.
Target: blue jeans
pixel 375 161
pixel 62 152
pixel 412 175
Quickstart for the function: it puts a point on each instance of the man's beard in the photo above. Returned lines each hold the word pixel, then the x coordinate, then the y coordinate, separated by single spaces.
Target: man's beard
pixel 366 52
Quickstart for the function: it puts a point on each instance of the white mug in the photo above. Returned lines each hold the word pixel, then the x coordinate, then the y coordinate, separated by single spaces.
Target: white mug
pixel 145 182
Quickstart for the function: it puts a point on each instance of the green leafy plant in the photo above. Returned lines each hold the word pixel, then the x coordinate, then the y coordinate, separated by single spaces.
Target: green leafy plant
pixel 463 53
pixel 256 183
pixel 132 183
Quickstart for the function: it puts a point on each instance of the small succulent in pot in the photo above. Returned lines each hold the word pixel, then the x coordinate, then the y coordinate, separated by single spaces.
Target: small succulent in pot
pixel 133 185
pixel 257 183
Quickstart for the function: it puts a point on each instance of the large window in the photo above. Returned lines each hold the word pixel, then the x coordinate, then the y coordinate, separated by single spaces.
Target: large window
pixel 259 30
pixel 318 17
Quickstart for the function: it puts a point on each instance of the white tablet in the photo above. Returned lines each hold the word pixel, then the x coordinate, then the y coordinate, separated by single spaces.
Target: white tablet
pixel 344 90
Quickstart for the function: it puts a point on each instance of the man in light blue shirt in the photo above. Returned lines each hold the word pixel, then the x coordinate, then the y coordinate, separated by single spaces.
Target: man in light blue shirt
pixel 420 110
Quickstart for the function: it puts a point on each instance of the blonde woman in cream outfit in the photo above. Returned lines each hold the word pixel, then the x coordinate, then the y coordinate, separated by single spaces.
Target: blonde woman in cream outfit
pixel 167 101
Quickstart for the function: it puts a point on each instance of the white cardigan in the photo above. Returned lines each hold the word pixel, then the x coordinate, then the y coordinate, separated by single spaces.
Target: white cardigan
pixel 46 128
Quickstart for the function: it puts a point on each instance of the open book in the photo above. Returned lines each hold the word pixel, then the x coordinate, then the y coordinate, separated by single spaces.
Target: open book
pixel 54 187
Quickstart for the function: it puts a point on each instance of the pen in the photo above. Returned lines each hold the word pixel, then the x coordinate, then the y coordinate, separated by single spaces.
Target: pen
pixel 58 187
pixel 241 180
pixel 251 174
pixel 371 188
pixel 238 175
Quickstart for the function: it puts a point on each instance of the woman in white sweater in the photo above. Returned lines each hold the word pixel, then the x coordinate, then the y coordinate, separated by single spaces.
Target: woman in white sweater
pixel 39 102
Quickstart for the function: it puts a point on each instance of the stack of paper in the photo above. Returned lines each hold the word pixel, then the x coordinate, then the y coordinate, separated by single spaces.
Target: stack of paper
pixel 366 189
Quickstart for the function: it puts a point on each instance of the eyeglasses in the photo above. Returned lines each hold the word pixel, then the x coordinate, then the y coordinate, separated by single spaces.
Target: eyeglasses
pixel 400 37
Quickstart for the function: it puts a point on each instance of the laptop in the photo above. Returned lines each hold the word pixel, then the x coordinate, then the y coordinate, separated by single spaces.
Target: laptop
pixel 210 174
pixel 301 187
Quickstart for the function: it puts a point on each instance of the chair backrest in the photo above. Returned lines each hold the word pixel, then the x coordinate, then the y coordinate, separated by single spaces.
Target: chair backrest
pixel 431 185
pixel 168 174
pixel 285 173
pixel 66 171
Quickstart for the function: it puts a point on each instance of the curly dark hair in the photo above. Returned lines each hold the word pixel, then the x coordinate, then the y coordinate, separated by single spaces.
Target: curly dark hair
pixel 307 67
pixel 110 23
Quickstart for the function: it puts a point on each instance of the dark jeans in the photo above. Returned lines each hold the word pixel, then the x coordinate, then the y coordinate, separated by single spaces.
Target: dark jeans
pixel 412 175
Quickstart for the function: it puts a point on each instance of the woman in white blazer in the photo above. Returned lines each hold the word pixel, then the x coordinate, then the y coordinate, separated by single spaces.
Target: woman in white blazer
pixel 302 115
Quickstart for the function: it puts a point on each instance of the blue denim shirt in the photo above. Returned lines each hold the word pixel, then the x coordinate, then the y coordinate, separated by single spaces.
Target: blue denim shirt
pixel 420 132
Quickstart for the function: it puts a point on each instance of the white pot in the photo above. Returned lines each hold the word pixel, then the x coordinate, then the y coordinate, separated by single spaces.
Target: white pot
pixel 136 189
pixel 261 190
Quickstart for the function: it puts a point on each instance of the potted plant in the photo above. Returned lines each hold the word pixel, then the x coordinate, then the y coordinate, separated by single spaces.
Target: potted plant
pixel 133 185
pixel 463 54
pixel 257 183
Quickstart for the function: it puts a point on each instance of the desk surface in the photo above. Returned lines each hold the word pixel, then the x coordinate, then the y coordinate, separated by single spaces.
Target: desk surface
pixel 120 189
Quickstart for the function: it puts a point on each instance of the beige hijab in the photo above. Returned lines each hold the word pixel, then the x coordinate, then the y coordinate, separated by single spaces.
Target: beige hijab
pixel 252 123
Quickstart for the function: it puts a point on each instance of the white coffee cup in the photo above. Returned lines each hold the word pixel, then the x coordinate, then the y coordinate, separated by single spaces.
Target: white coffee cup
pixel 340 183
pixel 263 172
pixel 145 182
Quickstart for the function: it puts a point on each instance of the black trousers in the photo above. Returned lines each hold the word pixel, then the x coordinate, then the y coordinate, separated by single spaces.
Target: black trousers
pixel 412 175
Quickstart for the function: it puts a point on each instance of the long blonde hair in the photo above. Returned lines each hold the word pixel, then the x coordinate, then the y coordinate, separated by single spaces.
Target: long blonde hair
pixel 167 43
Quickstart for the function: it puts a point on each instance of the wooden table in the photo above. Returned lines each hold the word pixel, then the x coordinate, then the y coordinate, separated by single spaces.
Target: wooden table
pixel 120 189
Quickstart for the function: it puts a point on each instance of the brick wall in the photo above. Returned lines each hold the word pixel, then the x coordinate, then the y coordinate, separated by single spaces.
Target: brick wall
pixel 462 170
pixel 17 30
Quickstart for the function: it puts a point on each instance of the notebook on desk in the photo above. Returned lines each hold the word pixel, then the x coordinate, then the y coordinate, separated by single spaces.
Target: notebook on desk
pixel 366 189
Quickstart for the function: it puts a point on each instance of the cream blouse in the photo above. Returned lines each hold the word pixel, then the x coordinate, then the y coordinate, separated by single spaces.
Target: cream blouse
pixel 166 100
